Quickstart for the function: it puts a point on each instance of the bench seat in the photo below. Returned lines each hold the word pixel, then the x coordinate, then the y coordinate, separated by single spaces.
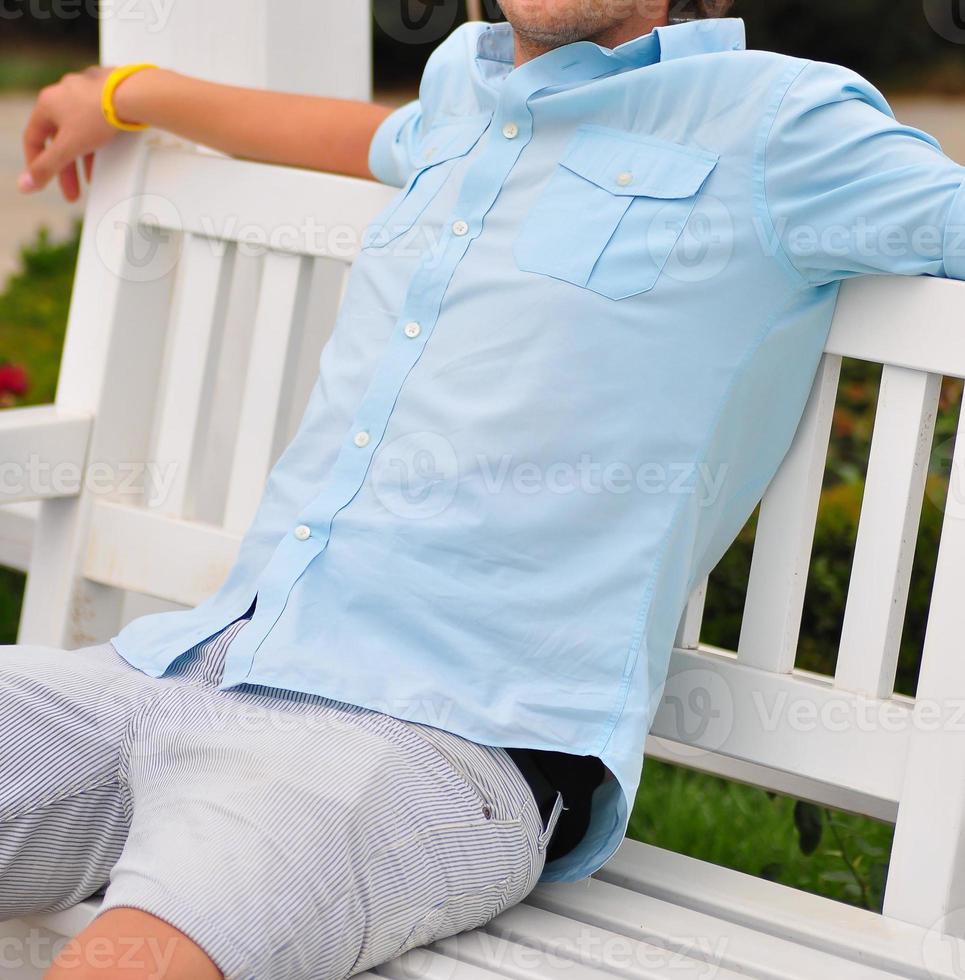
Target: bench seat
pixel 652 913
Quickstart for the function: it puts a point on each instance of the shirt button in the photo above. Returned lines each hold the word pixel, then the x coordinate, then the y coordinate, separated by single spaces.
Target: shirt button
pixel 460 228
pixel 510 131
pixel 625 178
pixel 412 330
pixel 303 532
pixel 361 439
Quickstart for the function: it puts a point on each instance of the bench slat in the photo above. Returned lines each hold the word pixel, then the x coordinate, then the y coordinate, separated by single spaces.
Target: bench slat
pixel 218 197
pixel 269 383
pixel 793 723
pixel 912 322
pixel 156 554
pixel 17 523
pixel 926 874
pixel 684 938
pixel 785 531
pixel 195 333
pixel 776 780
pixel 887 531
pixel 486 948
pixel 688 632
pixel 615 933
pixel 811 920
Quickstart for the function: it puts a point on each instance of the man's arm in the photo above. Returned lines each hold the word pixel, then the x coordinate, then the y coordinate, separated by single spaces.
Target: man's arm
pixel 309 131
pixel 849 191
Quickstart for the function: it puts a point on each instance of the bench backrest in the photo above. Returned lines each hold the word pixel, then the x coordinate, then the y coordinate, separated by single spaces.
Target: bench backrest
pixel 206 287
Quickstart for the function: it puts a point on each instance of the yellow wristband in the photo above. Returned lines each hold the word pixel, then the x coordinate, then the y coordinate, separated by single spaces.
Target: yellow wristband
pixel 107 95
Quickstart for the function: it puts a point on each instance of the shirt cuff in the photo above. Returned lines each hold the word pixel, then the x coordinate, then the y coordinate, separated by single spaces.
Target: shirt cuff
pixel 388 156
pixel 953 248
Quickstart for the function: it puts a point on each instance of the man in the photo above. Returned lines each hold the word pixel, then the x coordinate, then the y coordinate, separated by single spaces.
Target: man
pixel 571 356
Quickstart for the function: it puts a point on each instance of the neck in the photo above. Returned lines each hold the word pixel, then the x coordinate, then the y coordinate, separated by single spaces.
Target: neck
pixel 626 30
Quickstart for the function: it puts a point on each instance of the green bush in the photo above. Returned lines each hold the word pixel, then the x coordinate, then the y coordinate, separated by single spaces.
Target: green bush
pixel 33 318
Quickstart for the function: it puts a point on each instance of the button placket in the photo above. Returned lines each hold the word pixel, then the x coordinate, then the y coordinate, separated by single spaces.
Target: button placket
pixel 422 302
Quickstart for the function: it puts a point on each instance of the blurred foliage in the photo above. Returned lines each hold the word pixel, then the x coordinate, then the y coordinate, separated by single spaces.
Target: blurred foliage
pixel 826 852
pixel 29 71
pixel 33 318
pixel 33 311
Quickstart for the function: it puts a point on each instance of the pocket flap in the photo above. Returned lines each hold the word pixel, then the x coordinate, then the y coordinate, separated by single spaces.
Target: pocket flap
pixel 633 165
pixel 450 139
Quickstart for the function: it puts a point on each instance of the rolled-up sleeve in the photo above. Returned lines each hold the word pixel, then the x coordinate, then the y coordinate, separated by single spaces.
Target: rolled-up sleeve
pixel 849 190
pixel 392 151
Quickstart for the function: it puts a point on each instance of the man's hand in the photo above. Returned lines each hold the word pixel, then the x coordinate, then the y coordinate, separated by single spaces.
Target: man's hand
pixel 65 126
pixel 309 131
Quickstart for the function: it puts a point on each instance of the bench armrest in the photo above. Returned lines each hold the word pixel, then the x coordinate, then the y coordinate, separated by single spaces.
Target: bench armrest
pixel 43 451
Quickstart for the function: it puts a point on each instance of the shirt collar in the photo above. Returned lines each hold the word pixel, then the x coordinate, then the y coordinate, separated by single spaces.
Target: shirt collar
pixel 495 54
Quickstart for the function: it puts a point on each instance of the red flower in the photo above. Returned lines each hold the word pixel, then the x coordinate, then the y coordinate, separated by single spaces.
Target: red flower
pixel 13 380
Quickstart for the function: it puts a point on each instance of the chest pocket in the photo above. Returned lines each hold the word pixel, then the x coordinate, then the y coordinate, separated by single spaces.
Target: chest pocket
pixel 613 211
pixel 441 147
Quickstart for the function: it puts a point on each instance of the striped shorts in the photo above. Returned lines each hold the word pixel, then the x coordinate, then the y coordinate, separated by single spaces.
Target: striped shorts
pixel 288 835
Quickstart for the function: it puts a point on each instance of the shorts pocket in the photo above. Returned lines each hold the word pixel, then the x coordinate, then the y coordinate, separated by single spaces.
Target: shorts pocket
pixel 551 821
pixel 613 210
pixel 442 145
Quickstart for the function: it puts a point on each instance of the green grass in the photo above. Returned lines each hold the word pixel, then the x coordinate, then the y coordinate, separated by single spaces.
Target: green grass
pixel 29 70
pixel 823 851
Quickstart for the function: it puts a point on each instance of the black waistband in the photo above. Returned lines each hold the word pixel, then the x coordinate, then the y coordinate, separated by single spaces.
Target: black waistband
pixel 575 777
pixel 543 790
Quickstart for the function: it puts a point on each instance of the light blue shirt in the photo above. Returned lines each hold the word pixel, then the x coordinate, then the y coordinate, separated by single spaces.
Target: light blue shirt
pixel 571 356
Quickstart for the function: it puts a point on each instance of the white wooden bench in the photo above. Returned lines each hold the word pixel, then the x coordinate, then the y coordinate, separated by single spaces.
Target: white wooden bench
pixel 178 339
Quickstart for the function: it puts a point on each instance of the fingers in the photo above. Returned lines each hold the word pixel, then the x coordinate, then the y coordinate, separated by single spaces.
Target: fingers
pixel 89 166
pixel 40 127
pixel 50 161
pixel 48 152
pixel 69 181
